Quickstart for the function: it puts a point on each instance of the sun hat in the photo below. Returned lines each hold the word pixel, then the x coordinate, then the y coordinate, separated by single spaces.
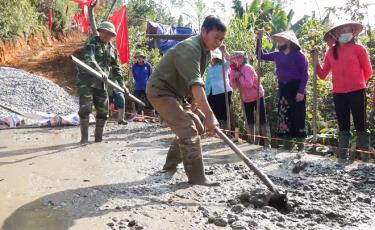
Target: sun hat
pixel 357 29
pixel 216 53
pixel 289 35
pixel 139 54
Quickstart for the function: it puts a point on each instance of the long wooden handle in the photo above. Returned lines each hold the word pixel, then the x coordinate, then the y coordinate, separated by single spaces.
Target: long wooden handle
pixel 226 92
pixel 263 177
pixel 96 74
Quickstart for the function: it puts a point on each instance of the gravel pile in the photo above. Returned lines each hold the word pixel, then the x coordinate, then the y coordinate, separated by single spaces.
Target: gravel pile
pixel 25 92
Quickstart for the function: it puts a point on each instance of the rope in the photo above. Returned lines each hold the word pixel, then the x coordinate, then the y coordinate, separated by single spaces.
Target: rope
pixel 356 151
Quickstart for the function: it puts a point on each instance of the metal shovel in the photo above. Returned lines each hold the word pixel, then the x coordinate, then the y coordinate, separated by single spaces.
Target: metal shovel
pixel 97 75
pixel 277 200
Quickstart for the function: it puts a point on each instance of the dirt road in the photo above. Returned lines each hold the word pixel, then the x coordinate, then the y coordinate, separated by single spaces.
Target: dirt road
pixel 49 181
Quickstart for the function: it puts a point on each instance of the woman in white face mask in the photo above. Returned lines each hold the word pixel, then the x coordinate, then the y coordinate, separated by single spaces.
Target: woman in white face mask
pixel 351 69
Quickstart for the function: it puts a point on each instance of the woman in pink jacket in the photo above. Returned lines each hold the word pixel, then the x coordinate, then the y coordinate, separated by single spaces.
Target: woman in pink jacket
pixel 351 69
pixel 243 76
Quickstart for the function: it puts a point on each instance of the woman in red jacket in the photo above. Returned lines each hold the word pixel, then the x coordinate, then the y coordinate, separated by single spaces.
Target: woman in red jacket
pixel 351 69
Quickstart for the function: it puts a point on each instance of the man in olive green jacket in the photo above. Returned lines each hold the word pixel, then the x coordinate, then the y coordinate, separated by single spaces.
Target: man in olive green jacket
pixel 178 76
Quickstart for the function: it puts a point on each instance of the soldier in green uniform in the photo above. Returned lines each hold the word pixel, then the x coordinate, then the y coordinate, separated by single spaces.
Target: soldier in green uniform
pixel 100 54
pixel 179 75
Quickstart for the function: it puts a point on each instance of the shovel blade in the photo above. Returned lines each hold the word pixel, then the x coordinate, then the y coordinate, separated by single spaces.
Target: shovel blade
pixel 280 202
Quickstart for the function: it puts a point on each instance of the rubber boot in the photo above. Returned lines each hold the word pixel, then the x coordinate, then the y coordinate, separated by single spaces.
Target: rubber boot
pixel 223 124
pixel 264 133
pixel 343 146
pixel 99 127
pixel 120 117
pixel 191 152
pixel 173 157
pixel 287 143
pixel 364 143
pixel 300 144
pixel 252 138
pixel 84 125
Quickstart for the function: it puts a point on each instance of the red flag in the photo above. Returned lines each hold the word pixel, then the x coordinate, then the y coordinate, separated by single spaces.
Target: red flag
pixel 50 20
pixel 84 19
pixel 84 2
pixel 120 20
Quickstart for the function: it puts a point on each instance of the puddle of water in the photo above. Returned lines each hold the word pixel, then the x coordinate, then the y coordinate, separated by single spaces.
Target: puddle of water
pixel 38 217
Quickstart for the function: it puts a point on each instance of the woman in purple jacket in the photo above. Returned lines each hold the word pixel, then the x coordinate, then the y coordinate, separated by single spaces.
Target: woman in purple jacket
pixel 292 76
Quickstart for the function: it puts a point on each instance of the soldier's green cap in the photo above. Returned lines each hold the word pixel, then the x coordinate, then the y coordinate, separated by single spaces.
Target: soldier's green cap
pixel 139 54
pixel 108 26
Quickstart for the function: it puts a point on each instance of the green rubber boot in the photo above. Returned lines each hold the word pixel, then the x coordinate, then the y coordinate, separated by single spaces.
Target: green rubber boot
pixel 173 157
pixel 364 143
pixel 84 126
pixel 191 152
pixel 264 132
pixel 99 127
pixel 343 147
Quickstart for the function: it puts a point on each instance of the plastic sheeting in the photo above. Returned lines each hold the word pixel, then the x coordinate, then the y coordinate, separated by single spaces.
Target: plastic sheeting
pixel 161 29
pixel 46 120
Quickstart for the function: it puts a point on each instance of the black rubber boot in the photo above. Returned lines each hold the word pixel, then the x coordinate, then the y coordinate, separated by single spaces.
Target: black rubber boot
pixel 343 147
pixel 84 125
pixel 99 127
pixel 364 143
pixel 173 157
pixel 300 144
pixel 287 143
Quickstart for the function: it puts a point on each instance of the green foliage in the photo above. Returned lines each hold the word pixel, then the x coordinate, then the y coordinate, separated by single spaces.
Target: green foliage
pixel 140 11
pixel 63 19
pixel 17 17
pixel 269 13
pixel 241 36
pixel 138 41
pixel 22 17
pixel 310 32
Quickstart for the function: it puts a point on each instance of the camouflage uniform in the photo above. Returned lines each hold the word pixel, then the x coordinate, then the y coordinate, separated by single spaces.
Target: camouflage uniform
pixel 93 90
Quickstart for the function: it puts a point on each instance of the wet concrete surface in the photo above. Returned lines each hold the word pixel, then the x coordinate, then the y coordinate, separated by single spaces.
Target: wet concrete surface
pixel 49 181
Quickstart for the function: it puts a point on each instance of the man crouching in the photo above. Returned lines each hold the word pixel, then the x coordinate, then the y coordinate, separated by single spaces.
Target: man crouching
pixel 177 76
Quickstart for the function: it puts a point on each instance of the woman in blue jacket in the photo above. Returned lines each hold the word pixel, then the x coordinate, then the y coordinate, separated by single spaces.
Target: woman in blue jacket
pixel 141 72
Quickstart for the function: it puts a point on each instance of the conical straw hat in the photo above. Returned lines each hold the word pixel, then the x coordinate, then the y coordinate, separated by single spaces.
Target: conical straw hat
pixel 289 35
pixel 357 29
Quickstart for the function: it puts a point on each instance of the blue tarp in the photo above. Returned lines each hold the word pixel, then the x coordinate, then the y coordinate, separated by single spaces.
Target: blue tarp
pixel 161 29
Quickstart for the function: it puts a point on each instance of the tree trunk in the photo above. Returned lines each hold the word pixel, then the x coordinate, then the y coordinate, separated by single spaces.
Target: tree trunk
pixel 110 10
pixel 92 21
